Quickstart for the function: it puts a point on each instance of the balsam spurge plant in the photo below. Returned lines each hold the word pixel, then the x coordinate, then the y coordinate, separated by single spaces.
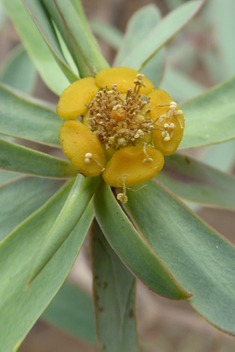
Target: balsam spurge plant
pixel 119 133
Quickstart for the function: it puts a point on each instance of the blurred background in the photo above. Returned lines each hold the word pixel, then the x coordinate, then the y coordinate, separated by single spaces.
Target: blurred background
pixel 199 57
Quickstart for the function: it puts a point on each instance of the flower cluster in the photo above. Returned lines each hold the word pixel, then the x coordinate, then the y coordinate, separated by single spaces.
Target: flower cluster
pixel 125 127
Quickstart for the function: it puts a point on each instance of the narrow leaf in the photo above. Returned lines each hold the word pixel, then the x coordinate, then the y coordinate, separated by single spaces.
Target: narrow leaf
pixel 174 3
pixel 20 308
pixel 26 118
pixel 154 68
pixel 198 257
pixel 139 26
pixel 75 205
pixel 77 4
pixel 108 33
pixel 7 176
pixel 197 182
pixel 79 40
pixel 181 86
pixel 14 157
pixel 20 197
pixel 223 34
pixel 42 21
pixel 36 47
pixel 3 17
pixel 114 290
pixel 221 156
pixel 209 116
pixel 161 34
pixel 18 71
pixel 72 310
pixel 131 248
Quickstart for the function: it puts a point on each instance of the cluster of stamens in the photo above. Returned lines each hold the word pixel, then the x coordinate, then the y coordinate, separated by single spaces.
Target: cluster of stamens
pixel 168 128
pixel 120 119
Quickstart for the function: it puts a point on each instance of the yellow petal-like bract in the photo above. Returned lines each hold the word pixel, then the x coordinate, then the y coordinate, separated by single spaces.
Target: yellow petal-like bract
pixel 123 77
pixel 160 97
pixel 130 164
pixel 77 141
pixel 72 100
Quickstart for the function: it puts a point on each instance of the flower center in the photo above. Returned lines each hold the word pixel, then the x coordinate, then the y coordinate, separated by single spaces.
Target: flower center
pixel 120 119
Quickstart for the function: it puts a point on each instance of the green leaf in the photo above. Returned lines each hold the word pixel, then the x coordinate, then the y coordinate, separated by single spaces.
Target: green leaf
pixel 161 34
pixel 209 116
pixel 174 3
pixel 107 32
pixel 131 248
pixel 196 255
pixel 221 156
pixel 42 21
pixel 213 66
pixel 36 46
pixel 77 4
pixel 82 45
pixel 7 175
pixel 2 17
pixel 139 27
pixel 18 70
pixel 217 11
pixel 75 205
pixel 20 308
pixel 26 118
pixel 72 310
pixel 182 53
pixel 181 86
pixel 114 290
pixel 14 157
pixel 20 197
pixel 197 182
pixel 154 68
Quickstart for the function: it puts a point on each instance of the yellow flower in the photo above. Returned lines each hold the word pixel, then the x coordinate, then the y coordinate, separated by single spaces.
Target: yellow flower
pixel 126 127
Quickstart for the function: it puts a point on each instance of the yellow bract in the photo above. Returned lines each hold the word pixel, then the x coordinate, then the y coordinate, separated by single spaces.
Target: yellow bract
pixel 123 77
pixel 77 141
pixel 71 103
pixel 160 97
pixel 129 163
pixel 169 147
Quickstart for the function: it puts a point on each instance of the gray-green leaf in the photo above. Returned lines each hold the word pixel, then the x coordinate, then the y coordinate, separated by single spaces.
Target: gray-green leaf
pixel 209 118
pixel 132 249
pixel 26 118
pixel 114 289
pixel 196 255
pixel 14 157
pixel 72 310
pixel 197 182
pixel 161 34
pixel 21 307
pixel 20 197
pixel 36 47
